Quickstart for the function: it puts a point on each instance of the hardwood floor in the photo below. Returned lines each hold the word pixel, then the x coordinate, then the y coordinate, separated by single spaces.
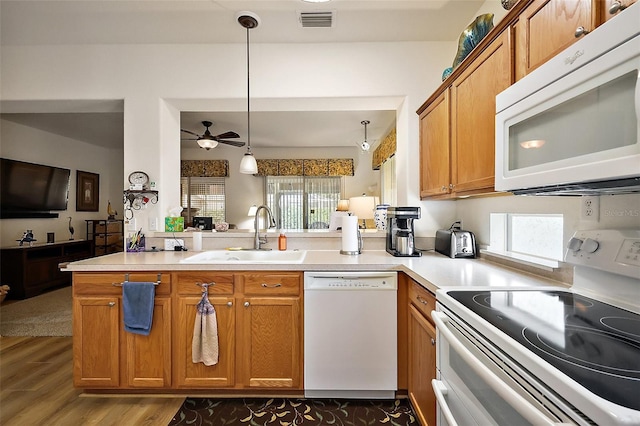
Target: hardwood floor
pixel 36 388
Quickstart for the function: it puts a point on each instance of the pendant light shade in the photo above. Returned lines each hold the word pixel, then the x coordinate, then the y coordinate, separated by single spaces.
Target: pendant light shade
pixel 364 145
pixel 248 165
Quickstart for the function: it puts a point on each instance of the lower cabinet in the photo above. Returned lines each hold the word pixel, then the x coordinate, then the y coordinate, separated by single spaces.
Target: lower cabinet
pixel 106 356
pixel 422 354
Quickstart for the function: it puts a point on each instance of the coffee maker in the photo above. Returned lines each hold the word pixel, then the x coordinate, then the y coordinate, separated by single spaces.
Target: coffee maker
pixel 400 234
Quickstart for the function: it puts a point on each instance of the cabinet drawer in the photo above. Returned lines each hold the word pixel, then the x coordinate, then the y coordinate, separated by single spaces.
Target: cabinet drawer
pixel 108 227
pixel 272 284
pixel 188 282
pixel 422 299
pixel 88 284
pixel 102 239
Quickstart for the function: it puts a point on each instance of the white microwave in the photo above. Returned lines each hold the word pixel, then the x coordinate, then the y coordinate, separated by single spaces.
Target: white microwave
pixel 572 126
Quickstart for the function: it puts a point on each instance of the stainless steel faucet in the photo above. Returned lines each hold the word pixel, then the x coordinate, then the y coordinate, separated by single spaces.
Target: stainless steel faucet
pixel 258 240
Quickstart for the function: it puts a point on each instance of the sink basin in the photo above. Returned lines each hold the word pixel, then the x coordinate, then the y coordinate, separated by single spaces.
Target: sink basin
pixel 247 256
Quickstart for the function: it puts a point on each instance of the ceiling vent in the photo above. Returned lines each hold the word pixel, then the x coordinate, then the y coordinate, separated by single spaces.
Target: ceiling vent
pixel 316 19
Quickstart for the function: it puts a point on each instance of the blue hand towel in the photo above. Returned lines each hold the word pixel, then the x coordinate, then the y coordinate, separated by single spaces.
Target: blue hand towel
pixel 137 304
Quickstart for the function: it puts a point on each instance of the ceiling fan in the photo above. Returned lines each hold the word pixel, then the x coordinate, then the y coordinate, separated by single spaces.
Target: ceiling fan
pixel 208 141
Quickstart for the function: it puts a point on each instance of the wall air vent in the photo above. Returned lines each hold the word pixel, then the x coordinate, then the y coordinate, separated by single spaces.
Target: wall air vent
pixel 316 19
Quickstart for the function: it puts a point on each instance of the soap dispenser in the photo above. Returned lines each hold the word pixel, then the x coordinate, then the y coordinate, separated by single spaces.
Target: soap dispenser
pixel 282 241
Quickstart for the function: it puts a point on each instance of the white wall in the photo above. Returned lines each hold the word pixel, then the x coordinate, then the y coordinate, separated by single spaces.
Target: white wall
pixel 19 142
pixel 157 82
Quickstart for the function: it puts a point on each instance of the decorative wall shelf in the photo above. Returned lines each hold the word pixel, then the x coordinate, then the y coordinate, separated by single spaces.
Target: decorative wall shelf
pixel 135 200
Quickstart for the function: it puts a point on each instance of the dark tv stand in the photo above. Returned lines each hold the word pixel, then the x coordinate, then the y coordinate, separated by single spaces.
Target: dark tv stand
pixel 29 271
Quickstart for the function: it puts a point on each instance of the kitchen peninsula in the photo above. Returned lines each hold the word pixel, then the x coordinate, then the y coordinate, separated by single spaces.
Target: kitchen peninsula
pixel 259 309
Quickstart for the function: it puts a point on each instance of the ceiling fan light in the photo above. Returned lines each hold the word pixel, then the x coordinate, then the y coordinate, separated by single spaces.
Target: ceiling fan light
pixel 248 164
pixel 207 143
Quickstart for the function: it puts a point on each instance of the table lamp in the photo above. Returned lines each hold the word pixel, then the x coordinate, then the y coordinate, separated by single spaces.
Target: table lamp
pixel 363 207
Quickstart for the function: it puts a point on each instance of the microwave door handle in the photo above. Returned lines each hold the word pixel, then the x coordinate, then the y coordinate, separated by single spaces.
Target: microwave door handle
pixel 524 407
pixel 440 390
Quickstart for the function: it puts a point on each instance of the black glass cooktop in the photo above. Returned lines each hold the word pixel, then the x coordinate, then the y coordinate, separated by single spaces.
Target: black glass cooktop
pixel 596 344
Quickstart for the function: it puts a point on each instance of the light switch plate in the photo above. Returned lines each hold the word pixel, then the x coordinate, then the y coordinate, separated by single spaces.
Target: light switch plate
pixel 170 243
pixel 131 224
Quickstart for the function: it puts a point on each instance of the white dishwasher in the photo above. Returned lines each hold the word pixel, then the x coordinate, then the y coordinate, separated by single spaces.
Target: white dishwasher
pixel 350 334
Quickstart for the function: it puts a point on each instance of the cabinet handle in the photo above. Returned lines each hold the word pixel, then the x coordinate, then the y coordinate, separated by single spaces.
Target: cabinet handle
pixel 229 304
pixel 246 304
pixel 422 300
pixel 112 304
pixel 433 341
pixel 265 285
pixel 451 186
pixel 616 7
pixel 443 189
pixel 580 31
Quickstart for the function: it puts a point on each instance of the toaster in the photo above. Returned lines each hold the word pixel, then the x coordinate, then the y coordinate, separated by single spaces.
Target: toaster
pixel 455 243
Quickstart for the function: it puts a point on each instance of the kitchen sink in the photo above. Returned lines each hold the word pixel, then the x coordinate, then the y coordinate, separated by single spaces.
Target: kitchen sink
pixel 247 256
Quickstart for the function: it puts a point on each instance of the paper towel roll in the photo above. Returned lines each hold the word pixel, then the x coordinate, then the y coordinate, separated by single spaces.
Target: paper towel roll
pixel 197 241
pixel 350 235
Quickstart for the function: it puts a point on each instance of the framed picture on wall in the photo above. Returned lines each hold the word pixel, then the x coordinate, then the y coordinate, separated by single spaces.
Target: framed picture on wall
pixel 87 191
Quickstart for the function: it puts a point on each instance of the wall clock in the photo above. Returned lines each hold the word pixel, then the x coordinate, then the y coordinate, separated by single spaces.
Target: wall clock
pixel 139 178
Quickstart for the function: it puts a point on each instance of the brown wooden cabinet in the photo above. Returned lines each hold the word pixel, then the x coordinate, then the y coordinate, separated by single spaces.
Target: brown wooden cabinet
pixel 611 8
pixel 421 353
pixel 221 288
pixel 31 270
pixel 546 27
pixel 259 330
pixel 106 356
pixel 107 236
pixel 457 128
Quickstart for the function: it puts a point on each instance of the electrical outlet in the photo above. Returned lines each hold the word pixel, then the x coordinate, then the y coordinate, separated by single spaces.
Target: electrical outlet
pixel 170 243
pixel 590 208
pixel 153 224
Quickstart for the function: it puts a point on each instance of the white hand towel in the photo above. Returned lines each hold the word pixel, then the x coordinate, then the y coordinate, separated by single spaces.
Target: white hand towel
pixel 204 347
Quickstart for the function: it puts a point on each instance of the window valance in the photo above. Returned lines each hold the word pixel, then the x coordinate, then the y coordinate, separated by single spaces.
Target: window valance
pixel 306 167
pixel 204 168
pixel 385 150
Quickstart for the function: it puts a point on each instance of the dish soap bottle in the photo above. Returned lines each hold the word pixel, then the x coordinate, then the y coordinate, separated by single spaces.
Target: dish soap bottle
pixel 282 241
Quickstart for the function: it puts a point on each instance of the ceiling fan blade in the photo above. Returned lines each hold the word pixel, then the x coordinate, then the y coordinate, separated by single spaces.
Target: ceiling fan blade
pixel 233 143
pixel 227 135
pixel 190 132
pixel 189 139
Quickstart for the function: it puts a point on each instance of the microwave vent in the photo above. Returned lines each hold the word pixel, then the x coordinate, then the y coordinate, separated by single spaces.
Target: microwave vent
pixel 316 19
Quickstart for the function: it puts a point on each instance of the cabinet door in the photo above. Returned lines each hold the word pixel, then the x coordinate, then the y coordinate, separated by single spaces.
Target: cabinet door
pixel 190 375
pixel 611 8
pixel 422 366
pixel 546 27
pixel 149 357
pixel 269 351
pixel 434 148
pixel 473 110
pixel 96 342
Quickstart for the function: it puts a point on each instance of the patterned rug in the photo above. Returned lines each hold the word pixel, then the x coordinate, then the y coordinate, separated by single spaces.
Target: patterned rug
pixel 291 412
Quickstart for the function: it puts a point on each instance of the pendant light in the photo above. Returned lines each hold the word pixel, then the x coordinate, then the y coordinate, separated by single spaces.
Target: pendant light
pixel 364 146
pixel 248 165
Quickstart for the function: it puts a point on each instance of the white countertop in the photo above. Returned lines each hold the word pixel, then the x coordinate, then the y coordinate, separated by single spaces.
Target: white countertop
pixel 432 270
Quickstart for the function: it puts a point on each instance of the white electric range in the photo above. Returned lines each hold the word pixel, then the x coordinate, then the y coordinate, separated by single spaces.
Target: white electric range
pixel 547 356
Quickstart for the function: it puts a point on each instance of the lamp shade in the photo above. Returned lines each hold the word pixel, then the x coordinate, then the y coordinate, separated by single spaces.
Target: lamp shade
pixel 343 206
pixel 363 206
pixel 248 164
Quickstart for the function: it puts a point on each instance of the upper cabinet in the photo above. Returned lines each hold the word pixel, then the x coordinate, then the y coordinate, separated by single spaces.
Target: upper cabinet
pixel 457 122
pixel 457 128
pixel 546 27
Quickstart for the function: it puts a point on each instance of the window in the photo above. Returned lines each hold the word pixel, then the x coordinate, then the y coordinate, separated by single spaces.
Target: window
pixel 300 202
pixel 206 194
pixel 388 178
pixel 536 238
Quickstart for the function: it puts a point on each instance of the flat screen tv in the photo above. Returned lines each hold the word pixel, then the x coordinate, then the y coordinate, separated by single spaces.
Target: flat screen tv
pixel 32 190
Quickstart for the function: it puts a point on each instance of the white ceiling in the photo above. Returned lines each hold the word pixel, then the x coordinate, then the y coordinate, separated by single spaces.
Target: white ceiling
pixel 51 22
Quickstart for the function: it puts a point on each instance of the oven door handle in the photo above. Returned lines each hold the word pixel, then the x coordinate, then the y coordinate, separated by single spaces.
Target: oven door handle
pixel 440 391
pixel 524 407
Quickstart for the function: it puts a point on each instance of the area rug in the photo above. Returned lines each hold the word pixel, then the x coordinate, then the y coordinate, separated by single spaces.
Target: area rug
pixel 47 314
pixel 290 412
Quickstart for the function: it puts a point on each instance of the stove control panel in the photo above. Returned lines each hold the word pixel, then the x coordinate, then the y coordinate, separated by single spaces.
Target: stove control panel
pixel 612 250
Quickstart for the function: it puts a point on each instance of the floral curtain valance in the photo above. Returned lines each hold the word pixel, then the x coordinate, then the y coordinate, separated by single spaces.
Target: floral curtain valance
pixel 301 167
pixel 204 168
pixel 385 150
